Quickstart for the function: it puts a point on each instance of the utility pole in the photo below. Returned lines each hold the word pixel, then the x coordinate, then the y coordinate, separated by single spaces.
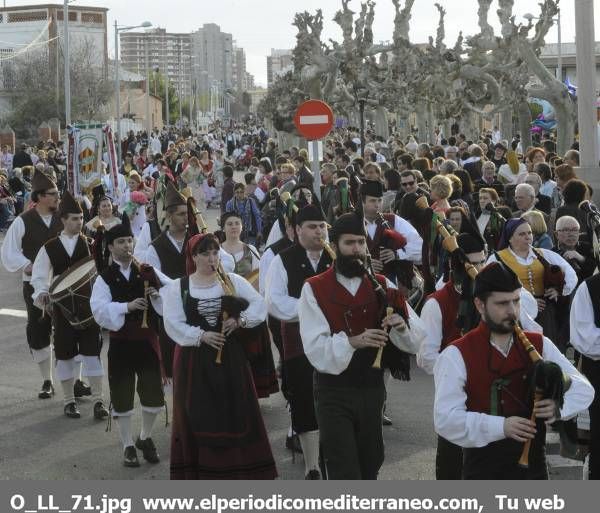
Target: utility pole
pixel 67 70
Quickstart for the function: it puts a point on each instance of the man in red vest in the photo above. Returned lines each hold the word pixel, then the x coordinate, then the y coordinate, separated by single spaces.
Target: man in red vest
pixel 482 387
pixel 343 324
pixel 440 317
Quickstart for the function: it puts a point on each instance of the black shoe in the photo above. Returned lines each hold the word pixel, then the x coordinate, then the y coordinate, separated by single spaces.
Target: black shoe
pixel 47 390
pixel 100 411
pixel 313 475
pixel 130 458
pixel 148 450
pixel 386 421
pixel 80 389
pixel 72 411
pixel 293 444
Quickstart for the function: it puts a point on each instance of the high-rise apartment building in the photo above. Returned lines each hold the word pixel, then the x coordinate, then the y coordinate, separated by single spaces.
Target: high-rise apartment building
pixel 213 57
pixel 169 52
pixel 278 63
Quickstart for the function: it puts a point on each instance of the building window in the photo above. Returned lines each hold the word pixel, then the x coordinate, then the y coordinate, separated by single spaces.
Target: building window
pixel 60 15
pixel 20 17
pixel 91 17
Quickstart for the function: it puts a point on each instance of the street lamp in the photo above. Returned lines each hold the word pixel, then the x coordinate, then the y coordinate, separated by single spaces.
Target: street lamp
pixel 529 17
pixel 361 95
pixel 67 59
pixel 118 29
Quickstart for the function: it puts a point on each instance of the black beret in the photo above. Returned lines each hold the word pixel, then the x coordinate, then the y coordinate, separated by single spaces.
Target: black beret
pixel 496 277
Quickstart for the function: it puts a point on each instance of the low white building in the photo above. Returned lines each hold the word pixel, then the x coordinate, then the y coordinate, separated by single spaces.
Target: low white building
pixel 26 28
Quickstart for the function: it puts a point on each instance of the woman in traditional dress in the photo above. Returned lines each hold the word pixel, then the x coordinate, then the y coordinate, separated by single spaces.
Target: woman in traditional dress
pixel 489 221
pixel 246 256
pixel 193 178
pixel 208 181
pixel 218 431
pixel 544 273
pixel 258 342
pixel 102 213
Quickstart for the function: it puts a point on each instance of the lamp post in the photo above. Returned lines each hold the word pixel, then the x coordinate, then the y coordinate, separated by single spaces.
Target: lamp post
pixel 118 83
pixel 361 95
pixel 530 17
pixel 67 59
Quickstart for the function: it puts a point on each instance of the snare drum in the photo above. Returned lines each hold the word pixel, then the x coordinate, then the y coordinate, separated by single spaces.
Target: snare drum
pixel 72 290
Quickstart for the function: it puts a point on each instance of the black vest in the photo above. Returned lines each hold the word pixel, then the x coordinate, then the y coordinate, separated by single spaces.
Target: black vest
pixel 60 259
pixel 37 233
pixel 172 262
pixel 125 291
pixel 299 269
pixel 155 230
pixel 280 245
pixel 593 285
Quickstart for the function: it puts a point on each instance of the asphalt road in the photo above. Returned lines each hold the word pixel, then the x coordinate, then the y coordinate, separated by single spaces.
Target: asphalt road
pixel 38 442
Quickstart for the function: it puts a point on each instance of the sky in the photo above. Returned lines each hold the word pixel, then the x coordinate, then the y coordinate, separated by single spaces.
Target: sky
pixel 259 25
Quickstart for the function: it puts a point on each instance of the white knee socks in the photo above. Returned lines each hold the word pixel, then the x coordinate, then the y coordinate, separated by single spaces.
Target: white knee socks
pixel 67 386
pixel 124 424
pixel 310 449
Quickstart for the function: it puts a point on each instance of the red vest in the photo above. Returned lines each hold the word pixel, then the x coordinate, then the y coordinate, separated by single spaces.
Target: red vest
pixel 449 300
pixel 490 374
pixel 352 315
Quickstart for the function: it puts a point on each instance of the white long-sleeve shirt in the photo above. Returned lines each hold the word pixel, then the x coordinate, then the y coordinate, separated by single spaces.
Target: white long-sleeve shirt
pixel 279 303
pixel 110 314
pixel 414 243
pixel 42 273
pixel 431 315
pixel 553 259
pixel 142 242
pixel 585 335
pixel 472 429
pixel 11 253
pixel 331 354
pixel 174 315
pixel 263 269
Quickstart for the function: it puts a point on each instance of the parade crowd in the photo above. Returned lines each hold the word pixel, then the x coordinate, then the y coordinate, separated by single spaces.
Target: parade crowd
pixel 476 258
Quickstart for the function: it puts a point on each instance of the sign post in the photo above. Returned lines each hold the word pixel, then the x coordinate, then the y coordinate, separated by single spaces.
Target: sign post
pixel 314 120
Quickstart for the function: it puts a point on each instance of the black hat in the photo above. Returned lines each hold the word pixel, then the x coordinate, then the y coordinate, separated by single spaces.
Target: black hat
pixel 469 243
pixel 350 223
pixel 371 188
pixel 309 213
pixel 98 194
pixel 41 182
pixel 120 230
pixel 69 205
pixel 496 277
pixel 173 197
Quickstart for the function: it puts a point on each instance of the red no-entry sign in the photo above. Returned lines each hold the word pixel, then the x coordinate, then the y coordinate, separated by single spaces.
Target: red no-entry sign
pixel 314 119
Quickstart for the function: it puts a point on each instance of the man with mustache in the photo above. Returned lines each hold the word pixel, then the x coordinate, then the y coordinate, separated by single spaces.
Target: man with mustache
pixel 343 324
pixel 23 240
pixel 482 387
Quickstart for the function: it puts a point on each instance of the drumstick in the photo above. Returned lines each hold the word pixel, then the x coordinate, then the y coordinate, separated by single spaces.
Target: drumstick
pixel 145 318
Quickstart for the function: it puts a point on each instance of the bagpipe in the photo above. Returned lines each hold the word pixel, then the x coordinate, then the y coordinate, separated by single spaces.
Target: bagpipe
pixel 554 276
pixel 389 356
pixel 547 382
pixel 409 280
